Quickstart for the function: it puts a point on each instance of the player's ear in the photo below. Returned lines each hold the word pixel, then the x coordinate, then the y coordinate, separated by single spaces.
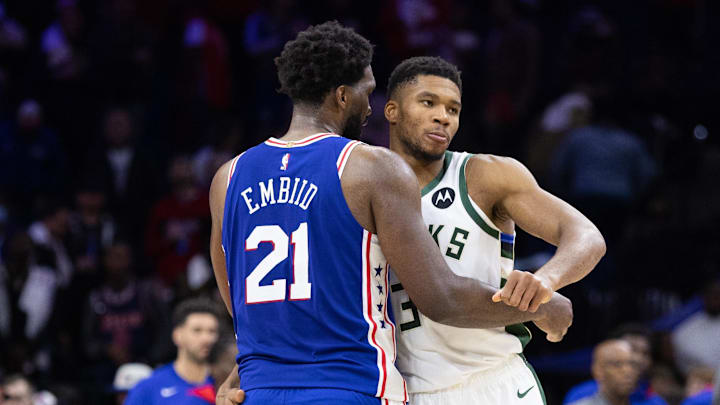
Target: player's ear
pixel 341 96
pixel 176 336
pixel 391 111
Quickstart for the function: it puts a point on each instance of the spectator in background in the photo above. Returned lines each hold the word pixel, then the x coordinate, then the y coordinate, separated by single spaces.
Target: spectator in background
pixel 12 34
pixel 31 157
pixel 415 27
pixel 225 138
pixel 127 172
pixel 512 48
pixel 61 43
pixel 27 297
pixel 187 380
pixel 204 81
pixel 17 390
pixel 266 30
pixel 639 339
pixel 125 319
pixel 696 339
pixel 615 369
pixel 699 386
pixel 92 229
pixel 49 234
pixel 63 81
pixel 127 377
pixel 13 52
pixel 121 46
pixel 604 171
pixel 174 230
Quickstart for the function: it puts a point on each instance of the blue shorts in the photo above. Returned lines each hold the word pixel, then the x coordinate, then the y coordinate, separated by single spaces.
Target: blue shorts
pixel 307 396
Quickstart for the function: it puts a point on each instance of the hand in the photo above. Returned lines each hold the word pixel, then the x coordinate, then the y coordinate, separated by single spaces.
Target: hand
pixel 524 290
pixel 558 316
pixel 227 394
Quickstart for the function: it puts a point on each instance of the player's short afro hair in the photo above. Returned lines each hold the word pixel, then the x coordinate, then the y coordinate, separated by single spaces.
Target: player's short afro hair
pixel 320 59
pixel 409 69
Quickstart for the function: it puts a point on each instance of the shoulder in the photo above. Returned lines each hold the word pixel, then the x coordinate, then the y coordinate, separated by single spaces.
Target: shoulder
pixel 144 389
pixel 218 187
pixel 381 164
pixel 502 174
pixel 582 390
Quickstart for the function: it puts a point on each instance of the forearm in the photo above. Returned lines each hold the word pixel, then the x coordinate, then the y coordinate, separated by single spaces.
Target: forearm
pixel 578 252
pixel 467 303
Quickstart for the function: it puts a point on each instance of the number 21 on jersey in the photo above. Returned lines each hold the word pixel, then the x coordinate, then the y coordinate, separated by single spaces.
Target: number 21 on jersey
pixel 300 288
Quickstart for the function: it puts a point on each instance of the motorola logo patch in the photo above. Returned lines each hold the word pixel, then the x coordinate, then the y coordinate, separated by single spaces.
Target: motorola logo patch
pixel 444 197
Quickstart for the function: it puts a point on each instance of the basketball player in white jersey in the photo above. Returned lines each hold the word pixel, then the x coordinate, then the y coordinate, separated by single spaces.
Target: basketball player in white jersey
pixel 470 204
pixel 326 72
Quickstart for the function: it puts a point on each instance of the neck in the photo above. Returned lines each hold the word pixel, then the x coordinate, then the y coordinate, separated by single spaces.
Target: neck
pixel 425 170
pixel 189 370
pixel 615 399
pixel 307 120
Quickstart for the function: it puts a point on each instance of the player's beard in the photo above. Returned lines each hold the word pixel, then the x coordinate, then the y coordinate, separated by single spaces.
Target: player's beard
pixel 413 148
pixel 353 126
pixel 198 356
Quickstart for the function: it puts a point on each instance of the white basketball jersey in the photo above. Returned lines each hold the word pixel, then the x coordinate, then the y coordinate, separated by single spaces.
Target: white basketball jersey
pixel 433 356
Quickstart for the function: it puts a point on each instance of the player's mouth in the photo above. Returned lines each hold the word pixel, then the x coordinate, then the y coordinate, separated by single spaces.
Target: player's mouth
pixel 437 136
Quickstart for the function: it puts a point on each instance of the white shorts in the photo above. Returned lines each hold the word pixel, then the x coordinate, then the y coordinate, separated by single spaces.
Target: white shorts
pixel 513 382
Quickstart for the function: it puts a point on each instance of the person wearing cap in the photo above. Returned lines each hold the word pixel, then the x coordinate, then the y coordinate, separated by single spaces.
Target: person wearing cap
pixel 127 377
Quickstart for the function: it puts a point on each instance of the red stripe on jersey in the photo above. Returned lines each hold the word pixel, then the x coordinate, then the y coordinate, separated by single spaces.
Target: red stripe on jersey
pixel 370 312
pixel 345 154
pixel 387 319
pixel 392 325
pixel 232 169
pixel 301 143
pixel 312 139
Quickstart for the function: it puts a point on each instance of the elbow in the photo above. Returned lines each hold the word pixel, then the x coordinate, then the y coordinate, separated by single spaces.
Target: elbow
pixel 598 244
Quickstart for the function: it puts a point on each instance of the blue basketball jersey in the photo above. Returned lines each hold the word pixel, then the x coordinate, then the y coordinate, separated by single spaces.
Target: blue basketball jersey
pixel 309 285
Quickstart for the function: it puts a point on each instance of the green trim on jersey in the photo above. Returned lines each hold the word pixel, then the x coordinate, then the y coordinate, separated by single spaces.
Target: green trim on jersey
pixel 465 198
pixel 518 330
pixel 537 380
pixel 507 251
pixel 436 180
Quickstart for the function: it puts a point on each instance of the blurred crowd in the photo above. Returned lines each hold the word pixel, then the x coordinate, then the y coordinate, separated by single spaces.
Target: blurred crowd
pixel 114 116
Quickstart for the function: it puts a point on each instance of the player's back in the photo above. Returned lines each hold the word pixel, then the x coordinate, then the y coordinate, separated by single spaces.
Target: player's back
pixel 308 284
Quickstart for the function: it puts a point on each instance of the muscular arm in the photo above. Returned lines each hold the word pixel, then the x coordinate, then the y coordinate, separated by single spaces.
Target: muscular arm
pixel 579 243
pixel 218 188
pixel 396 216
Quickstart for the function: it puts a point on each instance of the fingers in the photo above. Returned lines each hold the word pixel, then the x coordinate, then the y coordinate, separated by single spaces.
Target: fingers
pixel 233 396
pixel 236 396
pixel 529 296
pixel 507 291
pixel 523 290
pixel 541 297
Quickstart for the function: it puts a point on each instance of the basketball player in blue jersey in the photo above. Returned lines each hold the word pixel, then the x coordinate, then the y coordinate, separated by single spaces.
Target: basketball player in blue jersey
pixel 299 227
pixel 186 381
pixel 471 204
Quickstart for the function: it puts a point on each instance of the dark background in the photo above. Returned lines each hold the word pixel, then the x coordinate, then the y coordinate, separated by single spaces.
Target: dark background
pixel 115 114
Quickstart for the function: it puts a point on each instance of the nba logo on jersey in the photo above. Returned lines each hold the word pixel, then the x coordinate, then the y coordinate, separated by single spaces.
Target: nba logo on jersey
pixel 285 160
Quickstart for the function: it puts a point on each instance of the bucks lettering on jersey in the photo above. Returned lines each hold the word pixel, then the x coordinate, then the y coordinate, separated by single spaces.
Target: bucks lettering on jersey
pixel 433 356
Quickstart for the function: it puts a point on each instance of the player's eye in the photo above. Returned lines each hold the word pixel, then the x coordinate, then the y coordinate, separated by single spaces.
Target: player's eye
pixel 427 103
pixel 454 111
